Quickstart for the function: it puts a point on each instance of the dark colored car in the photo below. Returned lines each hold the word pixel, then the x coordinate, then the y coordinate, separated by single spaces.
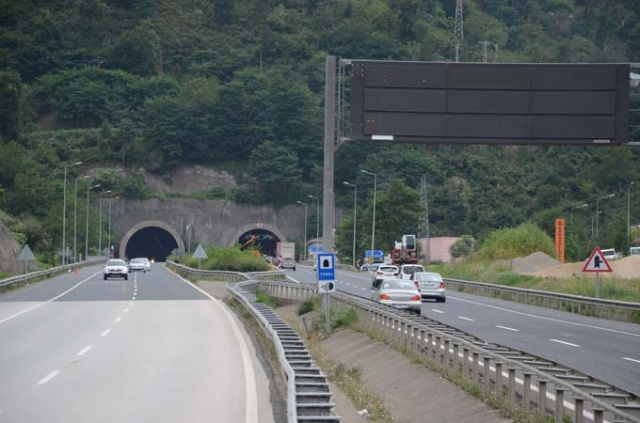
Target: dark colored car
pixel 288 263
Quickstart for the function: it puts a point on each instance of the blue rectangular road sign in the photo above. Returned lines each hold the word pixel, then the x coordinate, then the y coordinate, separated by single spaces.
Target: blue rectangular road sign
pixel 327 266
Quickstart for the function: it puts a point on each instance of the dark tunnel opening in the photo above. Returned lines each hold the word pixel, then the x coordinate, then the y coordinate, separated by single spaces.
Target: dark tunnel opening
pixel 263 240
pixel 151 242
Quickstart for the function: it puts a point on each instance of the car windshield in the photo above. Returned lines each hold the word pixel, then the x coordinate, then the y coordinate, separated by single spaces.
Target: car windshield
pixel 137 260
pixel 411 269
pixel 116 263
pixel 387 269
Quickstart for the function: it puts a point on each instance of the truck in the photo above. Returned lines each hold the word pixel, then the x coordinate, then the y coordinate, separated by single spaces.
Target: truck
pixel 285 250
pixel 405 251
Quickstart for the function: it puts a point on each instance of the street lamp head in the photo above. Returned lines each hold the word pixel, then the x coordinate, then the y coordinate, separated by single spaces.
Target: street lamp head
pixel 311 196
pixel 300 202
pixel 349 184
pixel 367 172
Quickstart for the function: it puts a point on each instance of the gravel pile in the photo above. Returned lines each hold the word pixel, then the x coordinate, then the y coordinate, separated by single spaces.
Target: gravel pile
pixel 533 263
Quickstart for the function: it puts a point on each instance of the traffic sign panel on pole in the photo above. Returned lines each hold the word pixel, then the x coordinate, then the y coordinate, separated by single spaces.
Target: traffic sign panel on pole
pixel 596 262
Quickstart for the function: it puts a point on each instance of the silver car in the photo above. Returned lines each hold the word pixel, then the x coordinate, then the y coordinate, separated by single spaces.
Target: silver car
pixel 116 268
pixel 431 286
pixel 398 293
pixel 139 264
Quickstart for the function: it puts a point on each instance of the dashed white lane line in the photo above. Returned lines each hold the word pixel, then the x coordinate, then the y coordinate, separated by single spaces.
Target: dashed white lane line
pixel 48 377
pixel 508 328
pixel 466 318
pixel 126 310
pixel 631 359
pixel 130 303
pixel 565 343
pixel 118 320
pixel 83 351
pixel 105 333
pixel 437 311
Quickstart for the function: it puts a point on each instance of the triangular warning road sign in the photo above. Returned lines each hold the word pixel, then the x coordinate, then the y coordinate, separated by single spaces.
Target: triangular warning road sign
pixel 596 262
pixel 199 253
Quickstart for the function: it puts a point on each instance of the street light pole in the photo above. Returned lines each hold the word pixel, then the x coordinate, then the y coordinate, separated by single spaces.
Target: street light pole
pixel 86 230
pixel 64 213
pixel 100 221
pixel 373 224
pixel 598 217
pixel 355 218
pixel 317 222
pixel 75 217
pixel 574 208
pixel 629 214
pixel 305 229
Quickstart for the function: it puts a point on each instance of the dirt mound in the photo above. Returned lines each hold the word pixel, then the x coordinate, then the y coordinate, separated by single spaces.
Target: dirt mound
pixel 625 268
pixel 533 263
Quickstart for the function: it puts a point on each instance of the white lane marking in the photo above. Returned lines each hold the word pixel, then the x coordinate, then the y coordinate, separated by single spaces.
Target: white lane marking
pixel 437 311
pixel 118 320
pixel 105 333
pixel 631 359
pixel 251 389
pixel 126 310
pixel 134 297
pixel 83 351
pixel 48 377
pixel 130 303
pixel 564 343
pixel 637 335
pixel 508 328
pixel 466 318
pixel 48 301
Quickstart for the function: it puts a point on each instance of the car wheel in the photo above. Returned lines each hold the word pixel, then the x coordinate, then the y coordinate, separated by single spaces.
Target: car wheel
pixel 105 277
pixel 294 269
pixel 126 277
pixel 443 300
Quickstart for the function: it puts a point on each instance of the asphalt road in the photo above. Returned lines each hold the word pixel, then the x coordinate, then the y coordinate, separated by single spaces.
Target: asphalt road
pixel 605 349
pixel 76 348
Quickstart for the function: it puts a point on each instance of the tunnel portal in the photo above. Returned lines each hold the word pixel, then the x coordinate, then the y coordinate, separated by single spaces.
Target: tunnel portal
pixel 263 240
pixel 151 242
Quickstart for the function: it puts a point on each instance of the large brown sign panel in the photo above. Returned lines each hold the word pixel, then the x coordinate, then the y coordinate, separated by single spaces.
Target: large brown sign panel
pixel 490 103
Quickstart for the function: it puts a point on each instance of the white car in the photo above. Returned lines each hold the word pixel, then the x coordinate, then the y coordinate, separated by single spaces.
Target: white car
pixel 139 264
pixel 115 268
pixel 407 271
pixel 385 271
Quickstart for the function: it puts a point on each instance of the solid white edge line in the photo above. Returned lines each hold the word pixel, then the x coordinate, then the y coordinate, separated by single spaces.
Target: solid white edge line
pixel 48 377
pixel 564 343
pixel 631 359
pixel 83 351
pixel 48 301
pixel 251 388
pixel 508 328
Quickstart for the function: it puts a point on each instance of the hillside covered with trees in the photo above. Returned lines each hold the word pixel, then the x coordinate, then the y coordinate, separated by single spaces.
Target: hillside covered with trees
pixel 239 84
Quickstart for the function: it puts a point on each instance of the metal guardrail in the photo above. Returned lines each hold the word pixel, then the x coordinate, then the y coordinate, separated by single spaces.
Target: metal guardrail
pixel 496 369
pixel 42 274
pixel 608 309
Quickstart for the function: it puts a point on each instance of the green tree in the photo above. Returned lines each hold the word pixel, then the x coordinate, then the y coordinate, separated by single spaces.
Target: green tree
pixel 277 171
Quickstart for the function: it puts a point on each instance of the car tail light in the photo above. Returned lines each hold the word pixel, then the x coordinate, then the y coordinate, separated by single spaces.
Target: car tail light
pixel 442 285
pixel 384 297
pixel 415 298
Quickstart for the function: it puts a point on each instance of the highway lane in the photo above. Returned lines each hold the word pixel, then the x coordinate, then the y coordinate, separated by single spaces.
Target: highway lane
pixel 606 349
pixel 151 349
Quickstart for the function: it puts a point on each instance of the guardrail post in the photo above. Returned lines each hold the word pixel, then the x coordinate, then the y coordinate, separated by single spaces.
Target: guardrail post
pixel 598 415
pixel 422 348
pixel 402 328
pixel 559 404
pixel 487 375
pixel 465 362
pixel 498 385
pixel 456 358
pixel 414 338
pixel 447 358
pixel 579 416
pixel 476 367
pixel 526 392
pixel 542 397
pixel 438 354
pixel 430 343
pixel 512 387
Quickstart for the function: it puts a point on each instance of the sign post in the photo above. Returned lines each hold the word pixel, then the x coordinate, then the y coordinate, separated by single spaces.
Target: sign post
pixel 200 254
pixel 326 265
pixel 596 263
